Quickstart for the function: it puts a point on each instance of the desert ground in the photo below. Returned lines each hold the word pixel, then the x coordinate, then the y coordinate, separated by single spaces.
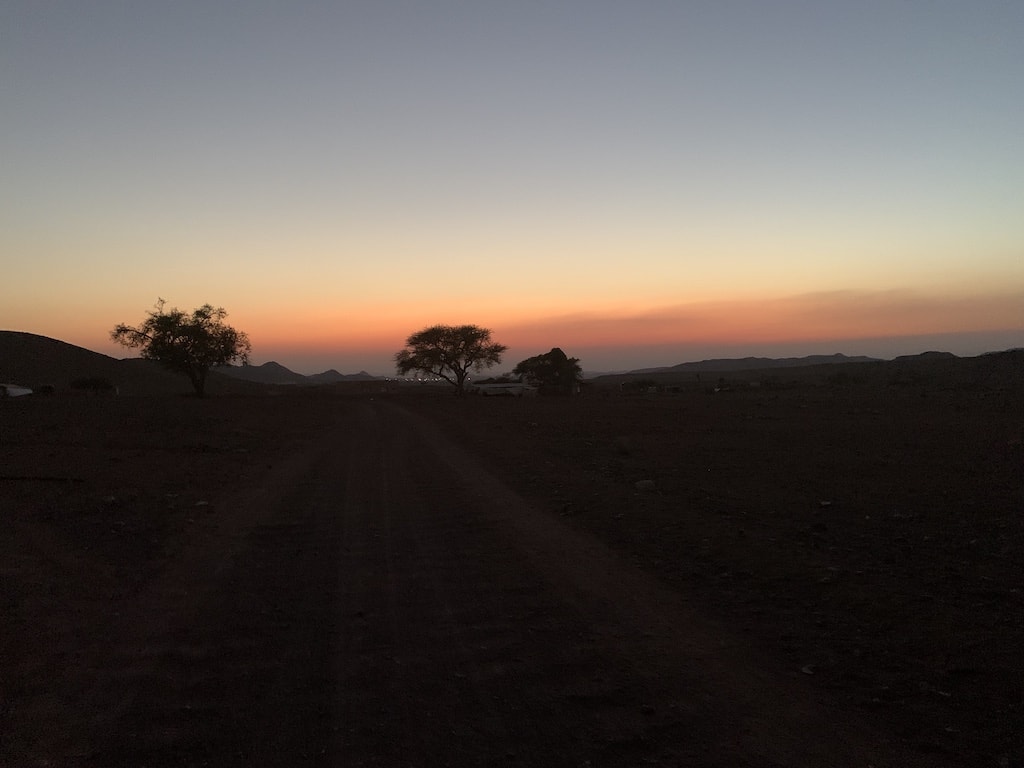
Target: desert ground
pixel 807 567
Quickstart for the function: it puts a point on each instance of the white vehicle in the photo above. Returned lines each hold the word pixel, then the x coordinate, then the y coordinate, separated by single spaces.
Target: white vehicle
pixel 504 390
pixel 14 390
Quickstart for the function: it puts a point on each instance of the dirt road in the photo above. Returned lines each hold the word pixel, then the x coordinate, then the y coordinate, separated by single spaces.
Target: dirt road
pixel 379 598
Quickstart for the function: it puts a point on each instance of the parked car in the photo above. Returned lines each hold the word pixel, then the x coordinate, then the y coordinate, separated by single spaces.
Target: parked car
pixel 504 390
pixel 14 390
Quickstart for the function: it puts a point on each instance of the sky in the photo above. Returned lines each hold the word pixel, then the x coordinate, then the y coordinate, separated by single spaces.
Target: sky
pixel 640 183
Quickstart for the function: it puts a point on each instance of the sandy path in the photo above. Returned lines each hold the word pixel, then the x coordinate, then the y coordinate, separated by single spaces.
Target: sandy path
pixel 383 600
pixel 482 631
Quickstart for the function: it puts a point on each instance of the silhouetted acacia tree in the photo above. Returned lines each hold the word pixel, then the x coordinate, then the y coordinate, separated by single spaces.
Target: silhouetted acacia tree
pixel 189 344
pixel 449 351
pixel 551 372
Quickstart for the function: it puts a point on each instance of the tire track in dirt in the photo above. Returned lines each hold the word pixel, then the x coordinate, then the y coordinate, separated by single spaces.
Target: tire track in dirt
pixel 477 630
pixel 434 654
pixel 382 599
pixel 219 659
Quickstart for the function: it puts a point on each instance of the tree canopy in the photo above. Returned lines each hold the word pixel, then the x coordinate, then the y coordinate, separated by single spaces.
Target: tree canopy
pixel 553 371
pixel 186 343
pixel 450 351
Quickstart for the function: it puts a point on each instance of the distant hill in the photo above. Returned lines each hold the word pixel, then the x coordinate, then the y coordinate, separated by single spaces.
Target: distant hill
pixel 992 370
pixel 268 373
pixel 331 376
pixel 36 361
pixel 28 359
pixel 275 373
pixel 925 356
pixel 758 363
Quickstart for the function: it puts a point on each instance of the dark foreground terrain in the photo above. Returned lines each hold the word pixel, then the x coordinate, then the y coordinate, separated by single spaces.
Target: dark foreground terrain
pixel 824 569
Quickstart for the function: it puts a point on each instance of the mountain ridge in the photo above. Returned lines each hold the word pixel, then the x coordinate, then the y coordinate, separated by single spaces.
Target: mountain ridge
pixel 274 373
pixel 34 360
pixel 737 364
pixel 756 363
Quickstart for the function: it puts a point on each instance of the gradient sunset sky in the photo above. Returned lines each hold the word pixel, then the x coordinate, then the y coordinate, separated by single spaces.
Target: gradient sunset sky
pixel 640 183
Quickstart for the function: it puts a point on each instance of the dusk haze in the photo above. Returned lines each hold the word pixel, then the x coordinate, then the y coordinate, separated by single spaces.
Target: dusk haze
pixel 640 184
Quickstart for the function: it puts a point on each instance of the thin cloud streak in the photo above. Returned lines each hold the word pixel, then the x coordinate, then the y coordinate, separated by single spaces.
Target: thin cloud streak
pixel 881 324
pixel 806 317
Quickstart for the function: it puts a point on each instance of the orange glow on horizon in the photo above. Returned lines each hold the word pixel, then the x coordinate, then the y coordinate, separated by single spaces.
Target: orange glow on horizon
pixel 375 332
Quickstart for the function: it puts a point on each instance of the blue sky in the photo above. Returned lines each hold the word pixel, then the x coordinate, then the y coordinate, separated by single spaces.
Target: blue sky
pixel 733 177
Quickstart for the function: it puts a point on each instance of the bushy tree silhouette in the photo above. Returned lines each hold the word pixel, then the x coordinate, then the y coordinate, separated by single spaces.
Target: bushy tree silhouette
pixel 186 343
pixel 449 351
pixel 552 372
